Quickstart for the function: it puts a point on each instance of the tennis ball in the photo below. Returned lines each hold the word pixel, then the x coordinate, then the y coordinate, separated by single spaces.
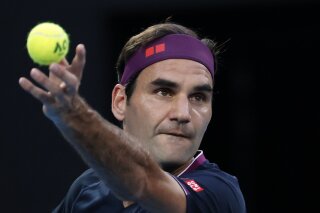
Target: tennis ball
pixel 47 43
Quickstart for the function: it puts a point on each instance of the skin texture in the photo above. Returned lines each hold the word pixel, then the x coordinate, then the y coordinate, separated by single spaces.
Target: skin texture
pixel 172 102
pixel 160 121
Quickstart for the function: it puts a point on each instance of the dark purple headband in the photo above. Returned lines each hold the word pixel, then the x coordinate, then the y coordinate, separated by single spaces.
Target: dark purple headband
pixel 173 46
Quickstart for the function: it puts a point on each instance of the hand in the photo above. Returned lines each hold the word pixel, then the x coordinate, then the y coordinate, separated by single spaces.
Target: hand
pixel 58 91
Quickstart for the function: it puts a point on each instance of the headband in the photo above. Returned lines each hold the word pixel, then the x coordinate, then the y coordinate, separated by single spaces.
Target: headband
pixel 173 46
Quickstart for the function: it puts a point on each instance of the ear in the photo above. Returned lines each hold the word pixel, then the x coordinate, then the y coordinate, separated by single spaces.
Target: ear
pixel 119 102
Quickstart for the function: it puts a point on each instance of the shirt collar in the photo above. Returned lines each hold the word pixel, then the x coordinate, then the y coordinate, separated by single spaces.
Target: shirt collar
pixel 198 160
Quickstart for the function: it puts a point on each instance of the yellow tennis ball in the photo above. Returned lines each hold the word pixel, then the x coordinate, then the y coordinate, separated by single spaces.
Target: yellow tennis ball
pixel 47 43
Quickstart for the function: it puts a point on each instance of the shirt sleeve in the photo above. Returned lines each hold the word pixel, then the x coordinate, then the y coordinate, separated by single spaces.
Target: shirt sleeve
pixel 74 192
pixel 212 194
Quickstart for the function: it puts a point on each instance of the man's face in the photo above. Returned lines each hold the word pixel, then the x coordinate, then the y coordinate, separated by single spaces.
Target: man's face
pixel 170 109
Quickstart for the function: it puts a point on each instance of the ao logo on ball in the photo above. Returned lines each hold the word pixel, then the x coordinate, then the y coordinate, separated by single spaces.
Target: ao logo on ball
pixel 61 49
pixel 47 43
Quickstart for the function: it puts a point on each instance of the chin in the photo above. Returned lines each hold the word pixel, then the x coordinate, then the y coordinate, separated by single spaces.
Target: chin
pixel 171 153
pixel 171 163
pixel 171 166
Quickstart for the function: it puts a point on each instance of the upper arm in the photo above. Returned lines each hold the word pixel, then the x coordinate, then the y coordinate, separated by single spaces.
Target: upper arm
pixel 163 194
pixel 201 194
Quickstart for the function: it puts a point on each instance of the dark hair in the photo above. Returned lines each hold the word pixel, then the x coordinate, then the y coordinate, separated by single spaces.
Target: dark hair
pixel 150 34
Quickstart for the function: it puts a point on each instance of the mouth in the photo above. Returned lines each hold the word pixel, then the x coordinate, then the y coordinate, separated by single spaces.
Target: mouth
pixel 177 134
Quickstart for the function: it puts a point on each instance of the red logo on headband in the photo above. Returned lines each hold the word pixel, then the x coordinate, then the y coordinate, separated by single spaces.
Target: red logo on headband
pixel 155 49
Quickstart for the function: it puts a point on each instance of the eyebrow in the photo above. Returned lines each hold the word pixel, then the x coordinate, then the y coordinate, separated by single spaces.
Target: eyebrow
pixel 170 84
pixel 204 88
pixel 164 83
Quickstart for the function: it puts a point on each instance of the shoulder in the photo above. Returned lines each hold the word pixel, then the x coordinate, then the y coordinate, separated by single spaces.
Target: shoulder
pixel 86 186
pixel 87 179
pixel 208 187
pixel 209 174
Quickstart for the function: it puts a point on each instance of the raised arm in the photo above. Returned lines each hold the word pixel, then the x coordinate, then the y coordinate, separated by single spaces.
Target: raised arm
pixel 118 158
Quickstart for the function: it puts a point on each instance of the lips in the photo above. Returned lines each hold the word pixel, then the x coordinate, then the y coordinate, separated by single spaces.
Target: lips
pixel 177 133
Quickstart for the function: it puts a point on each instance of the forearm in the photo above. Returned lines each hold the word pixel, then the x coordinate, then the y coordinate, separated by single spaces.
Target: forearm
pixel 119 160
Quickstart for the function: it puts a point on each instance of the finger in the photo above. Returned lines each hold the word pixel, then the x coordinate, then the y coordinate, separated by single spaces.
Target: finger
pixel 64 62
pixel 57 92
pixel 35 91
pixel 78 61
pixel 54 78
pixel 53 87
pixel 43 80
pixel 69 82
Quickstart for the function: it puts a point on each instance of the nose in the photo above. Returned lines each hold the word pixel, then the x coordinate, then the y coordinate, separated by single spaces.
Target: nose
pixel 180 110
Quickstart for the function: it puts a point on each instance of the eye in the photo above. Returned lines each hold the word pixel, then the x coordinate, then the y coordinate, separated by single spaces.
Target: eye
pixel 164 92
pixel 198 97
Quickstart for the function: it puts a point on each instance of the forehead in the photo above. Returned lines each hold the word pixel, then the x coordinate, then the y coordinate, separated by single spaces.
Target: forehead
pixel 177 70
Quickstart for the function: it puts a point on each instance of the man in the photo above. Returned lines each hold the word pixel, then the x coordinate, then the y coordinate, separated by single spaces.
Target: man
pixel 164 102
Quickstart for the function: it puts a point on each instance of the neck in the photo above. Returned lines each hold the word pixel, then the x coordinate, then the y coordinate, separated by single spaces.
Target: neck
pixel 177 170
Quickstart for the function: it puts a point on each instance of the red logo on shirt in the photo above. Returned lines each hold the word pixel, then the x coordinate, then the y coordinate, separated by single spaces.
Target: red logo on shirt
pixel 194 186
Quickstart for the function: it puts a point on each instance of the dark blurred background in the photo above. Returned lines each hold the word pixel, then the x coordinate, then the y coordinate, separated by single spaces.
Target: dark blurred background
pixel 266 109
